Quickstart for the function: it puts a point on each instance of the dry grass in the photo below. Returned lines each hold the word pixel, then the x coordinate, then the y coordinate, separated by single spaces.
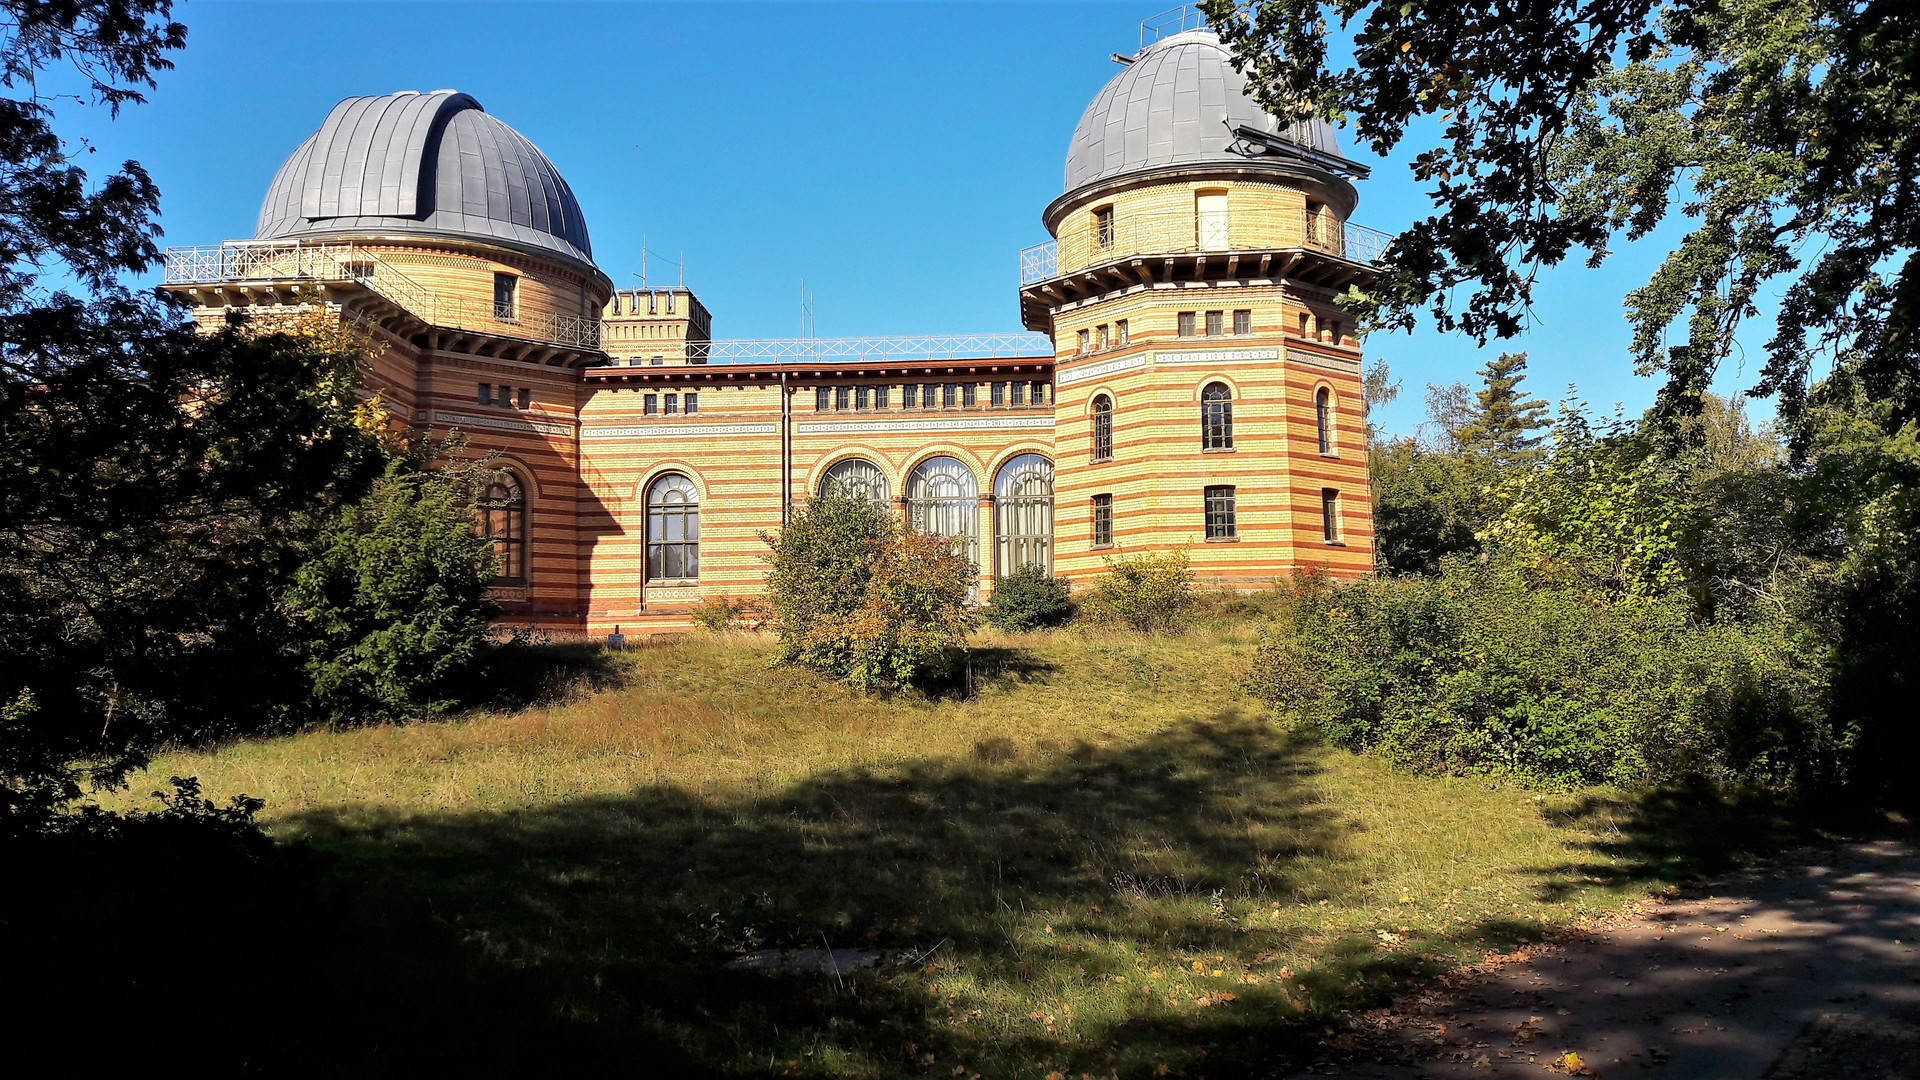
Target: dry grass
pixel 1105 860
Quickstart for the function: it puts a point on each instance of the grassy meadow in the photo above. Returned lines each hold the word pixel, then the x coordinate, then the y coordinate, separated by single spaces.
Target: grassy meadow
pixel 1094 857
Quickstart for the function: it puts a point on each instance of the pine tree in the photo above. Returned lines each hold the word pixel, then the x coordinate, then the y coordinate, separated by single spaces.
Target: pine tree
pixel 1501 424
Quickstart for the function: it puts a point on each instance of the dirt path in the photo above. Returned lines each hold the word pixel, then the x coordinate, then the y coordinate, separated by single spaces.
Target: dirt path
pixel 1810 968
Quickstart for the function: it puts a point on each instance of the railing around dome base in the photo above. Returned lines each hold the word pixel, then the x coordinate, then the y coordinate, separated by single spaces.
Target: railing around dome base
pixel 243 262
pixel 1179 233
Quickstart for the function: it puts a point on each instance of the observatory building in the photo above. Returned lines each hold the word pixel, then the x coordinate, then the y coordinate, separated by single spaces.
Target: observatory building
pixel 1184 377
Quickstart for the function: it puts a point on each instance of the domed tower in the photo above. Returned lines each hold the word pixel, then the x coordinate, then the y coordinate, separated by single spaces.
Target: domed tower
pixel 461 247
pixel 1207 386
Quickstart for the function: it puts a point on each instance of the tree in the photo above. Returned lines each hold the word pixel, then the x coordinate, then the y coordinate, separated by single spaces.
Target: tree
pixel 1777 127
pixel 1502 421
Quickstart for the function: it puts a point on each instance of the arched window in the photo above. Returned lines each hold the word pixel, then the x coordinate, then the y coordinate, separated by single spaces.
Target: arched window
pixel 673 529
pixel 1216 417
pixel 858 478
pixel 1102 428
pixel 1023 514
pixel 943 500
pixel 1323 418
pixel 502 507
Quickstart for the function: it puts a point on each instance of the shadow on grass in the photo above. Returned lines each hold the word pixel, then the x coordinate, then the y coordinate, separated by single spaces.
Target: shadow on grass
pixel 518 674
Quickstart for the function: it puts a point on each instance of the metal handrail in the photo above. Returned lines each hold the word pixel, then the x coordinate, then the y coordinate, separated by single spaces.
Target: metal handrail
pixel 1014 345
pixel 1178 233
pixel 244 261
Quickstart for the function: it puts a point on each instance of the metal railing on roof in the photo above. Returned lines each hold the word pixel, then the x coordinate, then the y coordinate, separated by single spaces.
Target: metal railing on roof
pixel 1170 22
pixel 1124 236
pixel 1014 345
pixel 245 262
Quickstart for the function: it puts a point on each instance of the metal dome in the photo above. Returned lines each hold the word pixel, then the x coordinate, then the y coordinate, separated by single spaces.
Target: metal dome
pixel 1177 104
pixel 433 165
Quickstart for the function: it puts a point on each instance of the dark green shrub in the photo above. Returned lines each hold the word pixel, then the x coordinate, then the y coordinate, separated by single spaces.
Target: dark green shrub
pixel 392 606
pixel 1151 591
pixel 1029 598
pixel 1474 671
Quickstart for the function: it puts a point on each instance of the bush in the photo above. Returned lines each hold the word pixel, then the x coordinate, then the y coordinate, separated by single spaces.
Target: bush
pixel 1151 591
pixel 392 606
pixel 856 595
pixel 1476 672
pixel 719 614
pixel 1029 598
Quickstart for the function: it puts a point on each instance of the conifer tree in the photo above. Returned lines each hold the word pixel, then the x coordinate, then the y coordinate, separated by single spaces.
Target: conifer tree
pixel 1501 423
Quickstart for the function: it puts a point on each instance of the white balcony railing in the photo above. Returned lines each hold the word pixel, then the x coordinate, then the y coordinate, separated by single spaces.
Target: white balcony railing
pixel 1178 234
pixel 245 262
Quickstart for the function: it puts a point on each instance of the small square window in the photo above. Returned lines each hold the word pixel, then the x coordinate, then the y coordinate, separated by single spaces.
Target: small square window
pixel 820 399
pixel 1330 514
pixel 1186 324
pixel 486 393
pixel 1220 513
pixel 659 360
pixel 999 394
pixel 526 398
pixel 879 397
pixel 1103 521
pixel 650 404
pixel 672 404
pixel 841 397
pixel 1019 391
pixel 693 403
pixel 1243 321
pixel 1214 324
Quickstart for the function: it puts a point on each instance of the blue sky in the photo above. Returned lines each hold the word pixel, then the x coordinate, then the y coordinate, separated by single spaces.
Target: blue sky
pixel 894 156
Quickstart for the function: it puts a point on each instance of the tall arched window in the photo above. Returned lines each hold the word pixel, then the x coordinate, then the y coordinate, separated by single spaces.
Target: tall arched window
pixel 858 478
pixel 1023 514
pixel 673 529
pixel 1216 417
pixel 1323 418
pixel 1102 428
pixel 943 499
pixel 502 507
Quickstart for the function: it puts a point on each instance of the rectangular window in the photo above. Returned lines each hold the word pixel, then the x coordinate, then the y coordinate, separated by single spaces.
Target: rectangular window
pixel 360 271
pixel 879 397
pixel 526 398
pixel 506 397
pixel 840 397
pixel 693 403
pixel 1019 394
pixel 1210 220
pixel 669 303
pixel 1220 525
pixel 1214 326
pixel 1103 227
pixel 486 393
pixel 1103 521
pixel 1330 514
pixel 658 360
pixel 672 404
pixel 650 404
pixel 907 396
pixel 820 402
pixel 1243 321
pixel 1100 336
pixel 1083 341
pixel 653 304
pixel 1333 329
pixel 1120 332
pixel 950 395
pixel 503 289
pixel 1037 394
pixel 999 393
pixel 1186 324
pixel 967 393
pixel 862 398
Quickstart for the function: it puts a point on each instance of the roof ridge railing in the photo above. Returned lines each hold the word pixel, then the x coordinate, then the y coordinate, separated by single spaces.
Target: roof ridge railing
pixel 896 348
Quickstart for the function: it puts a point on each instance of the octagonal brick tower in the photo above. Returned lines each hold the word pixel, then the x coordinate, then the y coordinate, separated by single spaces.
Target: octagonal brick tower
pixel 1208 388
